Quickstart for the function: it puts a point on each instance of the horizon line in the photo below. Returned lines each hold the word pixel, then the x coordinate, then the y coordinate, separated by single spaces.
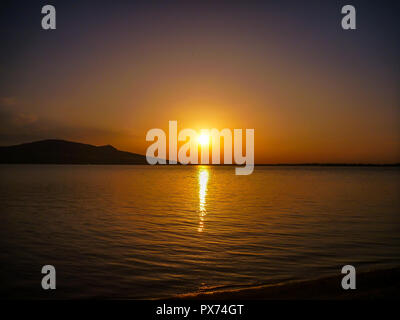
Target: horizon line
pixel 341 164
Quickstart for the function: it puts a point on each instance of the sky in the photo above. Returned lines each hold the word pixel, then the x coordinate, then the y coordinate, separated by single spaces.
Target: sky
pixel 112 70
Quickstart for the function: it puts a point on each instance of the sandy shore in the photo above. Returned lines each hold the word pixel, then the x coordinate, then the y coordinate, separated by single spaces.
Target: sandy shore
pixel 378 284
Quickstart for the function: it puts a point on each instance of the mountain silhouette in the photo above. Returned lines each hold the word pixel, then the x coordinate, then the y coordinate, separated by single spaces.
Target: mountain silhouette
pixel 54 151
pixel 67 152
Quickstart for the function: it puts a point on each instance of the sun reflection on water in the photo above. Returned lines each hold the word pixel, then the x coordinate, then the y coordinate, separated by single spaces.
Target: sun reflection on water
pixel 203 180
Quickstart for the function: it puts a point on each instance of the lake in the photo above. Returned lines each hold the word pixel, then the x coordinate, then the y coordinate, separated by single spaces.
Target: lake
pixel 154 232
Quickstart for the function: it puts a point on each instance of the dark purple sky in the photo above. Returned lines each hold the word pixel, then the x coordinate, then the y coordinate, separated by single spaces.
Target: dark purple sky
pixel 114 69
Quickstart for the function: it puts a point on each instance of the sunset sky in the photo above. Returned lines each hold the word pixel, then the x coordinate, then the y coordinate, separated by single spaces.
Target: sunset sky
pixel 111 71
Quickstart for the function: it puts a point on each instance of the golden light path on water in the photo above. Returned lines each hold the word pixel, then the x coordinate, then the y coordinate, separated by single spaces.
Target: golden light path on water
pixel 203 180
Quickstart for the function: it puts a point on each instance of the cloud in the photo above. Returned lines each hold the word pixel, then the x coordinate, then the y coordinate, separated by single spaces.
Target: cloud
pixel 19 127
pixel 8 101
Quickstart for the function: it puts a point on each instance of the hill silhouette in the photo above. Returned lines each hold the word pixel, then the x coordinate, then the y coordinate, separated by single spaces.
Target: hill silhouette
pixel 67 152
pixel 53 151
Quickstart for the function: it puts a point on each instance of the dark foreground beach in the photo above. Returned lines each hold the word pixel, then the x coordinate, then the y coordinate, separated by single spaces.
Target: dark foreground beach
pixel 378 284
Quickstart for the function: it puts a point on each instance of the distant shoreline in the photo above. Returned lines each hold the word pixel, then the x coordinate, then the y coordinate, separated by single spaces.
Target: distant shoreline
pixel 53 151
pixel 218 165
pixel 376 284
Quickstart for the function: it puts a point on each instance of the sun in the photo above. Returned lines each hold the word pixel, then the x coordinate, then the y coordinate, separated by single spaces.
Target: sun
pixel 203 139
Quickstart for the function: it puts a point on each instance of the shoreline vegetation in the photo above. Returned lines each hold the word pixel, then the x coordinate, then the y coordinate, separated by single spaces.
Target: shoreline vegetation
pixel 67 152
pixel 375 284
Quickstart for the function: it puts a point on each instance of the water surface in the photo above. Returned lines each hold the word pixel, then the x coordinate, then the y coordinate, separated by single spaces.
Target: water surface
pixel 150 232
